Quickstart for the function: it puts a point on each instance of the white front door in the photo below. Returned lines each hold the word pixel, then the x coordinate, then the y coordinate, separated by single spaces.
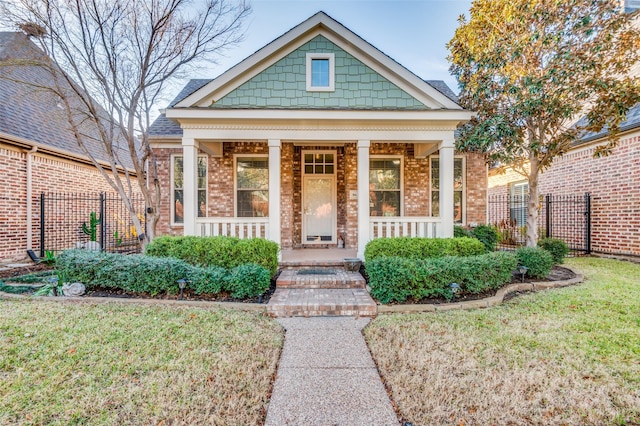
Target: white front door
pixel 319 210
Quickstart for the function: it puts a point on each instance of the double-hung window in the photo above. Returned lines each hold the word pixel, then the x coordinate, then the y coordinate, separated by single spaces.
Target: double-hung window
pixel 252 186
pixel 518 209
pixel 385 180
pixel 459 188
pixel 177 192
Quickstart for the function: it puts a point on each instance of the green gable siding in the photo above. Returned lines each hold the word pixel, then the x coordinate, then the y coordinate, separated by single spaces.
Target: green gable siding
pixel 283 85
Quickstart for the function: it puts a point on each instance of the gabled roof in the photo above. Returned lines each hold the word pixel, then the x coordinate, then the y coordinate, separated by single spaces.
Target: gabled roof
pixel 31 114
pixel 320 24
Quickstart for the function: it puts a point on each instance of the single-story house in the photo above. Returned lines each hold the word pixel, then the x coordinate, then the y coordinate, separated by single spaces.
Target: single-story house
pixel 38 151
pixel 316 140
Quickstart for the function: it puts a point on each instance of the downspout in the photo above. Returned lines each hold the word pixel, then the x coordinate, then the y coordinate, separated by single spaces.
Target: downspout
pixel 30 199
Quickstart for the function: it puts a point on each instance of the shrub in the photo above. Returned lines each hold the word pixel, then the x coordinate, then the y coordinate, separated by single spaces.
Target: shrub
pixel 211 280
pixel 422 248
pixel 248 280
pixel 391 278
pixel 487 235
pixel 397 279
pixel 135 273
pixel 225 252
pixel 538 261
pixel 459 232
pixel 557 248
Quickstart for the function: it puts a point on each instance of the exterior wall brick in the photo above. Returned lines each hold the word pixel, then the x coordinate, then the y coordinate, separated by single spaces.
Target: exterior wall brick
pixel 613 182
pixel 49 174
pixel 416 190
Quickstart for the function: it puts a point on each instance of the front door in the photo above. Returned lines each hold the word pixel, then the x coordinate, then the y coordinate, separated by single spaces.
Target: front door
pixel 319 216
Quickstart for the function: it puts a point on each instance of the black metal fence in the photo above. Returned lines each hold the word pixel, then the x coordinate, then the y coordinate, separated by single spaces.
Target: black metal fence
pixel 566 217
pixel 64 217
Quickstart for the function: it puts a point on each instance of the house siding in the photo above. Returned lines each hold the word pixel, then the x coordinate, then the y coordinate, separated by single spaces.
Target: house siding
pixel 613 184
pixel 49 174
pixel 283 85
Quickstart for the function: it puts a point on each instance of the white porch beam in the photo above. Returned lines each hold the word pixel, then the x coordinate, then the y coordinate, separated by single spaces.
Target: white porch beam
pixel 274 190
pixel 363 196
pixel 190 185
pixel 446 187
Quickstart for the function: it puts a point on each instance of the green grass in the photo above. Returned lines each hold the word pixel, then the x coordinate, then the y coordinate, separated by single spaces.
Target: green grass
pixel 15 289
pixel 111 364
pixel 565 356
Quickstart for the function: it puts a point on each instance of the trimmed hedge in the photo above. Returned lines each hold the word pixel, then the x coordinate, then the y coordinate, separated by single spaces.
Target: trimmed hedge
pixel 557 248
pixel 538 261
pixel 154 275
pixel 488 235
pixel 225 252
pixel 395 279
pixel 422 248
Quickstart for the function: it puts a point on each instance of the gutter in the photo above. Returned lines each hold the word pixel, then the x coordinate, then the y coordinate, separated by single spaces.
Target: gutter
pixel 30 198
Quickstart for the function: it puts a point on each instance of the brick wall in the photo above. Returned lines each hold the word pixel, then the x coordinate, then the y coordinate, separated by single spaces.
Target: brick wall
pixel 416 189
pixel 613 182
pixel 49 174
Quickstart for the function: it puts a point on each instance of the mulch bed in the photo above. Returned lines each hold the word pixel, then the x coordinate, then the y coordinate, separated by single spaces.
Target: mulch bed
pixel 29 269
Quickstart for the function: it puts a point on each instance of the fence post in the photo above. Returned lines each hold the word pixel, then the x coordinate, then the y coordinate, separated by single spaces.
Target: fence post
pixel 42 253
pixel 547 200
pixel 103 226
pixel 587 214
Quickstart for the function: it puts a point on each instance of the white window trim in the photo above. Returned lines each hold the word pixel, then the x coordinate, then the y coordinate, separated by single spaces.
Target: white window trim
pixel 401 158
pixel 235 177
pixel 332 72
pixel 173 193
pixel 464 185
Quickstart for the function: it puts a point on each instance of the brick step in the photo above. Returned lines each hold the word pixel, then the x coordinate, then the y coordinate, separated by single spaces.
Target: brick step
pixel 319 278
pixel 287 264
pixel 309 302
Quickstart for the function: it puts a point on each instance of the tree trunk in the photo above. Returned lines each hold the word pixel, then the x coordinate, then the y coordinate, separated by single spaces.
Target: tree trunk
pixel 533 207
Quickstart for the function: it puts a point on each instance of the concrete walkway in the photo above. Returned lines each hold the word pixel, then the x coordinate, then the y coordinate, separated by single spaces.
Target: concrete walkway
pixel 326 376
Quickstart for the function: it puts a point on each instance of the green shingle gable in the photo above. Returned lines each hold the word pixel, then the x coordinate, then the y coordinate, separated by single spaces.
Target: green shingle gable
pixel 283 85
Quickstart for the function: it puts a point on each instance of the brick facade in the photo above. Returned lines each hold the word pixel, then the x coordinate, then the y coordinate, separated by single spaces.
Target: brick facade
pixel 416 190
pixel 49 174
pixel 613 182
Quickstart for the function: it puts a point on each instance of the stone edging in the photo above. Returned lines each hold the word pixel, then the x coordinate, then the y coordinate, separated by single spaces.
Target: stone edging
pixel 482 303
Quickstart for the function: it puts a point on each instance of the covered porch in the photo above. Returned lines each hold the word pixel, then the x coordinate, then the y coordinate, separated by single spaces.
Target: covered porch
pixel 347 142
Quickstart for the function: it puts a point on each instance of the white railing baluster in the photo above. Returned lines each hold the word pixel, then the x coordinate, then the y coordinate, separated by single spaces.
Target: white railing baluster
pixel 403 226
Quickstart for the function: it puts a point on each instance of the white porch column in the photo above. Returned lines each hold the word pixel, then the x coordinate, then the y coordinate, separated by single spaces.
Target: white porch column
pixel 446 188
pixel 190 185
pixel 363 196
pixel 274 190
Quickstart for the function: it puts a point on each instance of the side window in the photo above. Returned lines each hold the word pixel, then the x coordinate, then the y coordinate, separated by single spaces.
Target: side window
pixel 518 210
pixel 385 187
pixel 177 194
pixel 459 188
pixel 252 186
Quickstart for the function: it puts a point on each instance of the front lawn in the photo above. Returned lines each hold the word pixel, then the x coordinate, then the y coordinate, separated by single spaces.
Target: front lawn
pixel 566 356
pixel 111 364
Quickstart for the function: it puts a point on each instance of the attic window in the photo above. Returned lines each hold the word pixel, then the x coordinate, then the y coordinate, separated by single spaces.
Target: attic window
pixel 320 72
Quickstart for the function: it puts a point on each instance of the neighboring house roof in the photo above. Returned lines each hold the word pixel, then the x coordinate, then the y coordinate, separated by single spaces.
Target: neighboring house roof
pixel 632 122
pixel 31 114
pixel 261 80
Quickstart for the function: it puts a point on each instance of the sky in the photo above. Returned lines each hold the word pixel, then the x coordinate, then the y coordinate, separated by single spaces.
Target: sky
pixel 412 32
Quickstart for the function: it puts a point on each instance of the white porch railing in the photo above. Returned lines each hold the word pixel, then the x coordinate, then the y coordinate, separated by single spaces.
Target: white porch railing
pixel 241 227
pixel 393 226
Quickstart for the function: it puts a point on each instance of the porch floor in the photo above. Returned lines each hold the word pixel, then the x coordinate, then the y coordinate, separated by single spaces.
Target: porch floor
pixel 315 257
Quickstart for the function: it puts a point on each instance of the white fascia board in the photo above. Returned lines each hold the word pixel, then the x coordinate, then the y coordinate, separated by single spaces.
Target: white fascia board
pixel 267 53
pixel 319 24
pixel 459 115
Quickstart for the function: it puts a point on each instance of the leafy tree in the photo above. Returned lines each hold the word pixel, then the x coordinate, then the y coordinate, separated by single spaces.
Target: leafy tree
pixel 531 68
pixel 111 60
